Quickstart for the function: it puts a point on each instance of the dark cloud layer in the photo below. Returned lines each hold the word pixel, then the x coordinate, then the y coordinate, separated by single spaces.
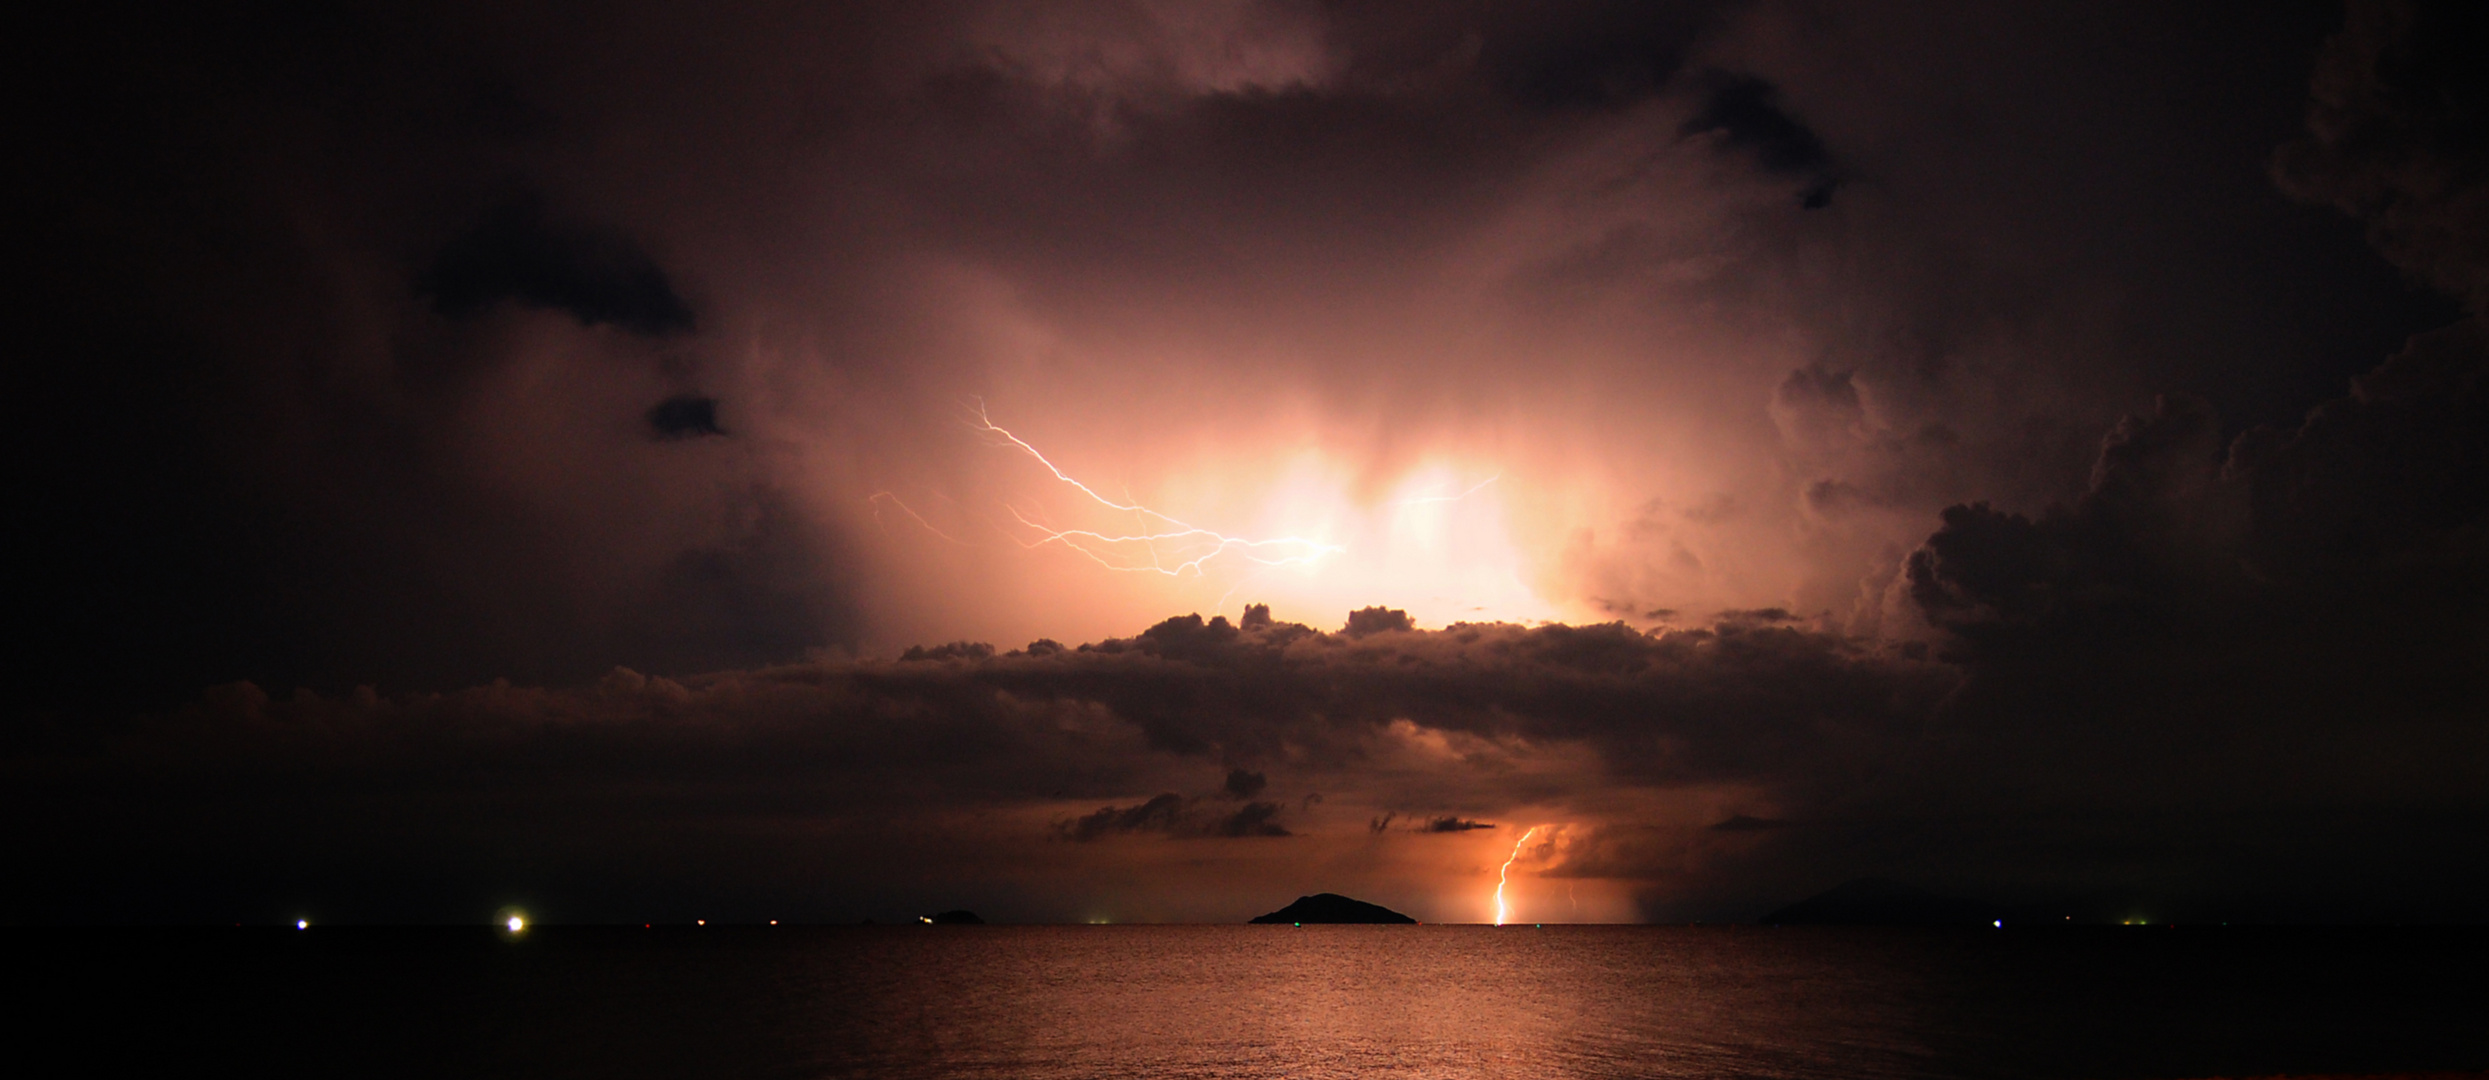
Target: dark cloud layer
pixel 684 416
pixel 1743 113
pixel 1450 824
pixel 1591 56
pixel 2398 134
pixel 596 276
pixel 745 764
pixel 1175 815
pixel 287 274
pixel 1245 785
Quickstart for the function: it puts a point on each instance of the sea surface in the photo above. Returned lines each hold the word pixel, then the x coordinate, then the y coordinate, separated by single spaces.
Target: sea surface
pixel 1254 1001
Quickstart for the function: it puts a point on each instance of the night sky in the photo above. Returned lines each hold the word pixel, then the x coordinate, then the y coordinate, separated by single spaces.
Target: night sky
pixel 1145 460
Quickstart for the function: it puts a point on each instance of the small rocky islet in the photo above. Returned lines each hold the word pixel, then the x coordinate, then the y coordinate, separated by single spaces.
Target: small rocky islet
pixel 1332 908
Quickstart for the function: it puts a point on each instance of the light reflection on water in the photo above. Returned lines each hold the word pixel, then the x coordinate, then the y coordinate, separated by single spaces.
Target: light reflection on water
pixel 1359 1001
pixel 1182 1002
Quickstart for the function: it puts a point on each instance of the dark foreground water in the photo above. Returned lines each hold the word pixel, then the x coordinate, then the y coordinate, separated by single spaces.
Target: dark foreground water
pixel 1255 1001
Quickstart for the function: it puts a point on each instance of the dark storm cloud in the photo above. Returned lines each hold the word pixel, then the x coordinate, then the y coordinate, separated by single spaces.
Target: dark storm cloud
pixel 1569 56
pixel 1661 703
pixel 1161 814
pixel 2382 475
pixel 963 650
pixel 1174 815
pixel 1596 56
pixel 596 275
pixel 730 770
pixel 1376 620
pixel 1831 498
pixel 1245 785
pixel 2175 524
pixel 2287 623
pixel 684 416
pixel 1450 824
pixel 2290 616
pixel 1757 615
pixel 1742 113
pixel 1252 819
pixel 1817 407
pixel 272 230
pixel 2398 135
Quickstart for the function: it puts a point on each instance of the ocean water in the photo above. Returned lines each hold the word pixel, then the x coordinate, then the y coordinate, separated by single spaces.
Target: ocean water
pixel 1257 1001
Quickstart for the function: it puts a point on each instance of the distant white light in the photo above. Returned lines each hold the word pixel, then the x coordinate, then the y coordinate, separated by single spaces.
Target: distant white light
pixel 773 922
pixel 302 924
pixel 2000 924
pixel 517 924
pixel 700 922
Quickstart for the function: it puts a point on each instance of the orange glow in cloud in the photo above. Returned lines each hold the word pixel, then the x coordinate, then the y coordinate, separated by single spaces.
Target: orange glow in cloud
pixel 1162 544
pixel 1307 532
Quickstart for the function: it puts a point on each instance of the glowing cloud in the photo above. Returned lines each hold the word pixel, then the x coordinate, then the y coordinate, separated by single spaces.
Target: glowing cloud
pixel 1166 545
pixel 1307 531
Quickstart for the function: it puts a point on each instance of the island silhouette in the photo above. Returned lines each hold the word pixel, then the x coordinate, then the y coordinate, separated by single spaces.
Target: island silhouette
pixel 1332 908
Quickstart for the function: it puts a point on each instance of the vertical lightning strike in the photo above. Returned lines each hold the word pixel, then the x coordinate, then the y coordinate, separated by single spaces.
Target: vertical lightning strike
pixel 1502 912
pixel 1191 544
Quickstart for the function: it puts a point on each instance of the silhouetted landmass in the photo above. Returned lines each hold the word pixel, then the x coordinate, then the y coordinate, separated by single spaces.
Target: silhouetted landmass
pixel 957 918
pixel 1333 908
pixel 1879 902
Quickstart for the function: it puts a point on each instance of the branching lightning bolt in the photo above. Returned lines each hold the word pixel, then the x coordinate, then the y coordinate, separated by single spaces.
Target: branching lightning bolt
pixel 880 498
pixel 1502 912
pixel 1157 542
pixel 1191 544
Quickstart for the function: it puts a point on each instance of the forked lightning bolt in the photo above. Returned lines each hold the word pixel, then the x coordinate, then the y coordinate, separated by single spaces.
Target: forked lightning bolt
pixel 880 498
pixel 1166 544
pixel 1502 912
